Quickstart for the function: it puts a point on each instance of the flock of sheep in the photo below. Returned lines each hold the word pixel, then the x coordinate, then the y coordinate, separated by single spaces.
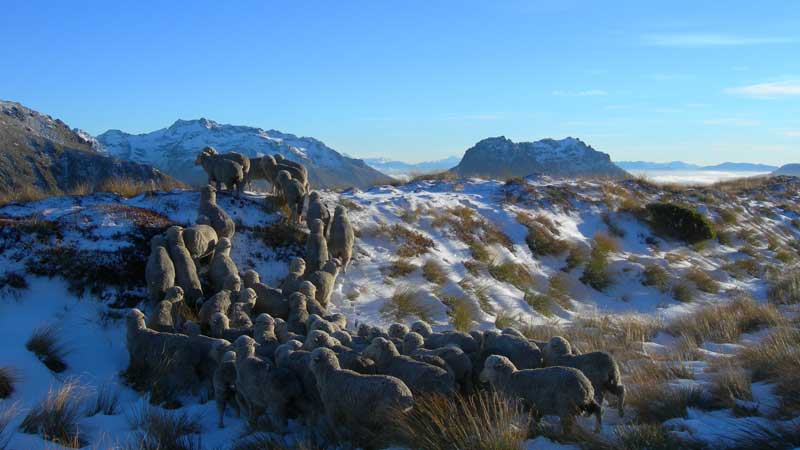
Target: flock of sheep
pixel 275 353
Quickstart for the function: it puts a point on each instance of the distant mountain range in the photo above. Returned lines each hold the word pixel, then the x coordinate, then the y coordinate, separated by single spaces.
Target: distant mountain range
pixel 680 165
pixel 788 169
pixel 174 149
pixel 400 168
pixel 41 152
pixel 499 157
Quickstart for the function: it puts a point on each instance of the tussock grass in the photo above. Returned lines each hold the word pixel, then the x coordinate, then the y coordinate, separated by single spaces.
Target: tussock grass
pixel 784 289
pixel 484 421
pixel 576 257
pixel 350 204
pixel 56 417
pixel 8 379
pixel 481 293
pixel 726 322
pixel 462 313
pixel 480 252
pixel 777 359
pixel 732 383
pixel 741 268
pixel 558 289
pixel 128 187
pixel 412 243
pixel 25 194
pixel 106 401
pixel 473 267
pixel 471 228
pixel 772 437
pixel 405 303
pixel 605 243
pixel 160 429
pixel 8 411
pixel 433 271
pixel 400 267
pixel 541 238
pixel 647 437
pixel 596 273
pixel 46 345
pixel 655 403
pixel 702 280
pixel 541 303
pixel 683 292
pixel 504 319
pixel 656 276
pixel 513 273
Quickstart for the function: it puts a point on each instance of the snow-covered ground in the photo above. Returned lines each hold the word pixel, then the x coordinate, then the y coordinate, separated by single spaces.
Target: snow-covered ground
pixel 386 219
pixel 693 177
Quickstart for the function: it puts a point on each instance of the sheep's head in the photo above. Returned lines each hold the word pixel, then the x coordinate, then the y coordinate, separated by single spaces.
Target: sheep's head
pixel 264 325
pixel 245 346
pixel 200 158
pixel 240 318
pixel 135 320
pixel 174 294
pixel 308 289
pixel 422 328
pixel 343 337
pixel 339 319
pixel 558 346
pixel 268 162
pixel 297 301
pixel 489 338
pixel 157 241
pixel 281 329
pixel 496 368
pixel 229 356
pixel 323 359
pixel 380 349
pixel 397 330
pixel 317 227
pixel 203 220
pixel 478 336
pixel 223 246
pixel 364 330
pixel 232 283
pixel 191 328
pixel 164 309
pixel 317 339
pixel 219 323
pixel 208 194
pixel 313 196
pixel 284 177
pixel 412 342
pixel 340 211
pixel 175 235
pixel 332 266
pixel 209 150
pixel 251 278
pixel 512 332
pixel 247 296
pixel 278 157
pixel 297 266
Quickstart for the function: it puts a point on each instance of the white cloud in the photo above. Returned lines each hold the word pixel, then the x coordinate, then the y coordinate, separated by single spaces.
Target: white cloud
pixel 733 121
pixel 790 133
pixel 587 93
pixel 768 90
pixel 708 40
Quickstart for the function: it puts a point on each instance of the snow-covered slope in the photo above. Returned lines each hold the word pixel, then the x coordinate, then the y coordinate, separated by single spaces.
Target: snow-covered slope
pixel 175 148
pixel 500 158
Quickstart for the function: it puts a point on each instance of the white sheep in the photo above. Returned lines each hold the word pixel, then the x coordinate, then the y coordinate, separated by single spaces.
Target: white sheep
pixel 222 266
pixel 224 382
pixel 293 193
pixel 324 280
pixel 159 272
pixel 560 391
pixel 316 247
pixel 419 376
pixel 268 300
pixel 433 340
pixel 221 170
pixel 318 210
pixel 523 353
pixel 458 361
pixel 291 283
pixel 342 237
pixel 217 218
pixel 200 239
pixel 185 270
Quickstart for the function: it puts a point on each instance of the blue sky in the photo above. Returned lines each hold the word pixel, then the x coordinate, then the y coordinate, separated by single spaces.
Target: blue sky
pixel 701 81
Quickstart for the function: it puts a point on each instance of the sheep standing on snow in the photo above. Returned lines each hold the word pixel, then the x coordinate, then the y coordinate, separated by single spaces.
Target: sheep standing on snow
pixel 599 367
pixel 300 173
pixel 264 335
pixel 455 358
pixel 291 283
pixel 185 271
pixel 433 340
pixel 268 300
pixel 219 302
pixel 161 317
pixel 221 169
pixel 352 400
pixel 220 327
pixel 293 193
pixel 342 237
pixel 308 289
pixel 298 313
pixel 200 239
pixel 523 353
pixel 324 280
pixel 222 266
pixel 272 168
pixel 316 247
pixel 348 358
pixel 419 376
pixel 318 210
pixel 225 385
pixel 159 272
pixel 560 391
pixel 217 218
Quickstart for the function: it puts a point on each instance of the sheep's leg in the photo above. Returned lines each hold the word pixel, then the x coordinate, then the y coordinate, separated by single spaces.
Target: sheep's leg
pixel 619 391
pixel 567 423
pixel 221 411
pixel 598 415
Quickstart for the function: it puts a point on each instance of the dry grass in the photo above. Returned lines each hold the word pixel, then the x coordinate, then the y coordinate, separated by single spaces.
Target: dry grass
pixel 656 276
pixel 400 267
pixel 8 378
pixel 647 437
pixel 8 411
pixel 405 303
pixel 558 289
pixel 731 383
pixel 725 322
pixel 513 273
pixel 784 288
pixel 45 344
pixel 434 272
pixel 462 313
pixel 655 403
pixel 480 252
pixel 484 421
pixel 541 238
pixel 106 401
pixel 160 429
pixel 470 227
pixel 777 359
pixel 683 292
pixel 56 417
pixel 504 320
pixel 605 243
pixel 702 280
pixel 25 194
pixel 268 441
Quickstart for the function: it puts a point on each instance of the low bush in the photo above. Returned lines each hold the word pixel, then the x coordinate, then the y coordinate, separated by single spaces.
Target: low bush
pixel 656 276
pixel 726 322
pixel 679 222
pixel 542 241
pixel 400 267
pixel 434 272
pixel 160 429
pixel 46 345
pixel 683 292
pixel 784 288
pixel 512 273
pixel 56 417
pixel 8 378
pixel 702 280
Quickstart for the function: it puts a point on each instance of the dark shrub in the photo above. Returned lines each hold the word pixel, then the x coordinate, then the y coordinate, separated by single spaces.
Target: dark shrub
pixel 679 222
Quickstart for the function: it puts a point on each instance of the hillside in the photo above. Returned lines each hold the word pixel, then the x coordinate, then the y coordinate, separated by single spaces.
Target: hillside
pixel 500 158
pixel 400 168
pixel 42 153
pixel 788 169
pixel 705 334
pixel 175 148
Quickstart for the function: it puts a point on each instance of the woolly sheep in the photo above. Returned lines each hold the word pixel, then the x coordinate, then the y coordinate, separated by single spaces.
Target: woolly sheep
pixel 224 382
pixel 179 310
pixel 308 289
pixel 324 280
pixel 560 391
pixel 342 237
pixel 298 313
pixel 221 169
pixel 273 167
pixel 257 171
pixel 398 331
pixel 200 239
pixel 293 193
pixel 316 246
pixel 318 210
pixel 220 327
pixel 264 335
pixel 523 353
pixel 291 283
pixel 352 400
pixel 419 376
pixel 244 301
pixel 302 171
pixel 236 157
pixel 185 271
pixel 348 358
pixel 599 367
pixel 290 356
pixel 268 300
pixel 458 361
pixel 217 218
pixel 218 303
pixel 159 272
pixel 161 317
pixel 338 319
pixel 433 340
pixel 283 334
pixel 316 322
pixel 222 266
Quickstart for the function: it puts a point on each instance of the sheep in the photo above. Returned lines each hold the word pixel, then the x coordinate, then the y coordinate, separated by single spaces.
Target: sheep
pixel 272 168
pixel 159 272
pixel 308 289
pixel 290 356
pixel 236 157
pixel 244 302
pixel 257 171
pixel 264 335
pixel 268 300
pixel 218 303
pixel 179 310
pixel 324 280
pixel 398 331
pixel 352 400
pixel 338 319
pixel 200 239
pixel 419 376
pixel 283 334
pixel 523 353
pixel 433 340
pixel 316 322
pixel 222 266
pixel 262 386
pixel 161 317
pixel 217 218
pixel 599 367
pixel 458 361
pixel 348 358
pixel 316 247
pixel 221 169
pixel 219 327
pixel 298 313
pixel 185 271
pixel 225 385
pixel 291 283
pixel 301 169
pixel 342 237
pixel 318 210
pixel 560 391
pixel 293 193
